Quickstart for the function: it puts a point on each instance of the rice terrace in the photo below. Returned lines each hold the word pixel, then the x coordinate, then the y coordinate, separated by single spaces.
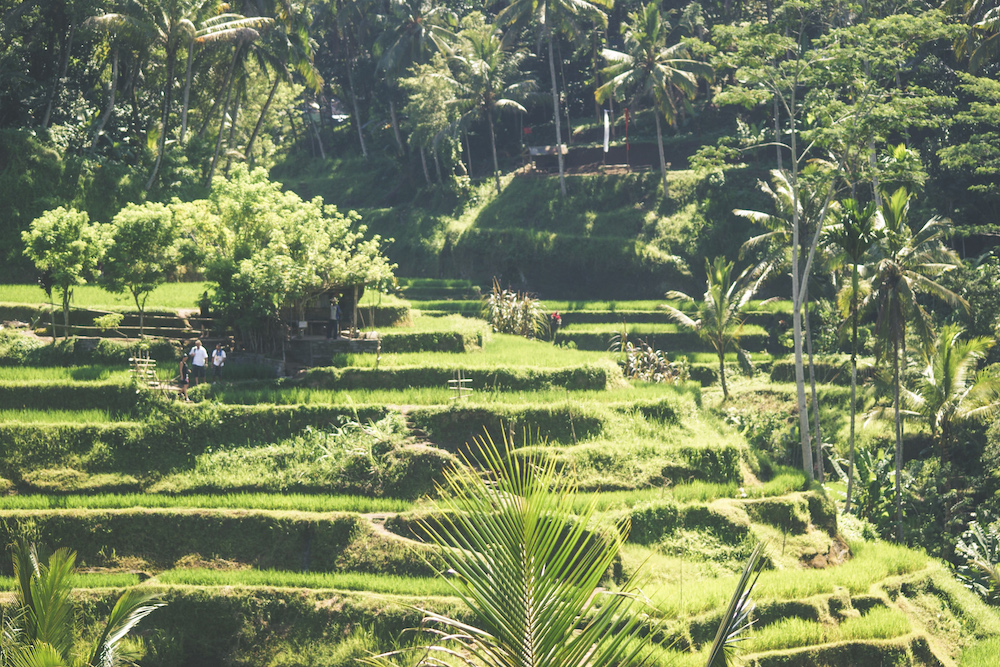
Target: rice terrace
pixel 518 334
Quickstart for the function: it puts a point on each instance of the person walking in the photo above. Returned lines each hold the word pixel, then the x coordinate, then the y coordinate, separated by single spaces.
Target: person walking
pixel 218 361
pixel 185 378
pixel 199 359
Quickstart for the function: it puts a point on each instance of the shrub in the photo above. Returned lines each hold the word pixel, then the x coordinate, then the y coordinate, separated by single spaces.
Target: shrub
pixel 653 520
pixel 515 313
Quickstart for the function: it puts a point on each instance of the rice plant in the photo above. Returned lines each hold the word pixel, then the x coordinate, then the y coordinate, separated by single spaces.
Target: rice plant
pixel 250 501
pixel 351 581
pixel 169 296
pixel 56 416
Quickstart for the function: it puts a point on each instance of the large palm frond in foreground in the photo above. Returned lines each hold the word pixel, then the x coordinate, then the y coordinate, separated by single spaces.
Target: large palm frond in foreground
pixel 530 568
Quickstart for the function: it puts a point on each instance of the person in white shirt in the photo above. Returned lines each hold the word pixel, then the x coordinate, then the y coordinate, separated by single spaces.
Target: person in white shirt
pixel 218 361
pixel 199 359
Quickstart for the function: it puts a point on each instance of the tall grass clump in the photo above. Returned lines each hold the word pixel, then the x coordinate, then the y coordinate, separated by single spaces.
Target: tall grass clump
pixel 515 313
pixel 878 623
pixel 788 633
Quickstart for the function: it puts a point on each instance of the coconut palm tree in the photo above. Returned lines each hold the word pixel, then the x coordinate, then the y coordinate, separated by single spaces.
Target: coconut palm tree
pixel 908 263
pixel 649 70
pixel 949 391
pixel 488 79
pixel 719 321
pixel 550 18
pixel 853 236
pixel 43 620
pixel 529 569
pixel 415 29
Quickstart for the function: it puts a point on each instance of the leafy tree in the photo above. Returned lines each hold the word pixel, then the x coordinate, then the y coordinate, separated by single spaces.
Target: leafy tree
pixel 268 251
pixel 143 251
pixel 949 391
pixel 66 246
pixel 42 631
pixel 908 263
pixel 719 321
pixel 430 111
pixel 651 70
pixel 529 569
pixel 853 236
pixel 552 17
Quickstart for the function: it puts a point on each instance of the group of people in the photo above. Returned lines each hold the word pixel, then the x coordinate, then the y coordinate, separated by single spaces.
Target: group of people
pixel 195 364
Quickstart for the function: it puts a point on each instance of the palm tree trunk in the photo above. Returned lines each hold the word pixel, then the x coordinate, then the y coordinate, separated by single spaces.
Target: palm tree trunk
pixel 493 145
pixel 395 123
pixel 357 111
pixel 663 161
pixel 812 382
pixel 111 98
pixel 62 75
pixel 187 91
pixel 423 162
pixel 164 118
pixel 468 153
pixel 232 136
pixel 854 381
pixel 722 376
pixel 555 107
pixel 225 110
pixel 899 441
pixel 248 153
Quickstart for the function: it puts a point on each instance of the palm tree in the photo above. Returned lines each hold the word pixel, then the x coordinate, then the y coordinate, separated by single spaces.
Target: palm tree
pixel 854 236
pixel 551 17
pixel 415 30
pixel 908 264
pixel 719 321
pixel 651 70
pixel 488 79
pixel 529 569
pixel 43 632
pixel 949 392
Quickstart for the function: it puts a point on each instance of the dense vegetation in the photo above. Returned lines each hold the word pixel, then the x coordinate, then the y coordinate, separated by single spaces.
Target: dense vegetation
pixel 266 149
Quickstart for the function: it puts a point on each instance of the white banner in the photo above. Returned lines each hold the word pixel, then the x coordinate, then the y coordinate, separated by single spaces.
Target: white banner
pixel 607 130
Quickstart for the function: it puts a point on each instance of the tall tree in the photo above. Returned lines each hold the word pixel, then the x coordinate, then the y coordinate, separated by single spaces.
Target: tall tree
pixel 649 70
pixel 551 18
pixel 414 30
pixel 853 236
pixel 488 79
pixel 908 263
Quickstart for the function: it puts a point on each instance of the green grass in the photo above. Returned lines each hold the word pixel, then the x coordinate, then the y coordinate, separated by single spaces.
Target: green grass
pixel 693 492
pixel 250 501
pixel 425 396
pixel 501 350
pixel 878 623
pixel 88 580
pixel 170 296
pixel 56 416
pixel 69 373
pixel 872 563
pixel 982 654
pixel 645 328
pixel 352 581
